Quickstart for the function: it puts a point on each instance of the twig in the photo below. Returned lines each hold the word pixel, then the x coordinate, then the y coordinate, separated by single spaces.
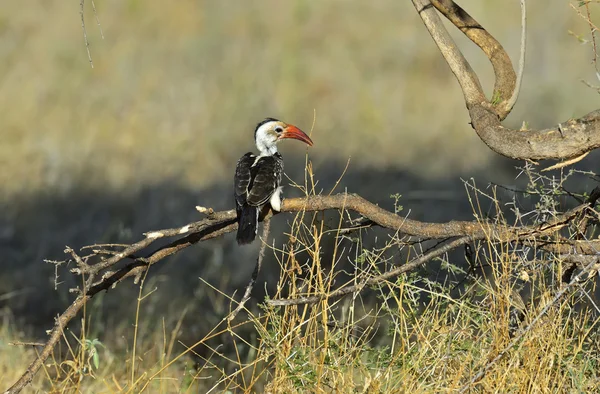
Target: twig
pixel 593 30
pixel 55 335
pixel 583 218
pixel 255 273
pixel 515 95
pixel 479 375
pixel 589 85
pixel 97 20
pixel 87 44
pixel 105 246
pixel 18 343
pixel 566 163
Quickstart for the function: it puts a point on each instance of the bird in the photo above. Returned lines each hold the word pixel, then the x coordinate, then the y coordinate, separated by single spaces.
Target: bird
pixel 257 180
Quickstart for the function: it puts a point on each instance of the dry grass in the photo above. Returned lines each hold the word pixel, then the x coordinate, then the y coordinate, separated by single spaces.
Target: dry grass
pixel 172 98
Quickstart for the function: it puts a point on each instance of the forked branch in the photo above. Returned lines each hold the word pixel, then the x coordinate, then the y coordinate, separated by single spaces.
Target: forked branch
pixel 505 83
pixel 564 141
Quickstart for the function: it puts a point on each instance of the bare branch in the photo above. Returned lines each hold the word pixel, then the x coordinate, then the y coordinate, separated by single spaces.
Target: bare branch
pixel 566 141
pixel 87 43
pixel 469 83
pixel 515 95
pixel 503 69
pixel 55 335
pixel 19 343
pixel 97 20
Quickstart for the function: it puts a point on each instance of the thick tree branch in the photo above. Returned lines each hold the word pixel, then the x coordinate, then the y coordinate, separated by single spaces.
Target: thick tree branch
pixel 505 83
pixel 515 95
pixel 565 141
pixel 469 83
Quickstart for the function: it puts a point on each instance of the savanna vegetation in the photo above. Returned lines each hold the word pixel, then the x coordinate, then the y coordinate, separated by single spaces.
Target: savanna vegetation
pixel 503 298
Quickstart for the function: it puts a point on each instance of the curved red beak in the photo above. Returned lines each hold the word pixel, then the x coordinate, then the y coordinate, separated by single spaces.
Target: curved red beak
pixel 293 132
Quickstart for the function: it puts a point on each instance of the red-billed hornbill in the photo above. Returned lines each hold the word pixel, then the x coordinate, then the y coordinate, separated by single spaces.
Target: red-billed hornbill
pixel 258 178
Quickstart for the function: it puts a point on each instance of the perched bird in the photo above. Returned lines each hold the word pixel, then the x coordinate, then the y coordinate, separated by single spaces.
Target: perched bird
pixel 258 178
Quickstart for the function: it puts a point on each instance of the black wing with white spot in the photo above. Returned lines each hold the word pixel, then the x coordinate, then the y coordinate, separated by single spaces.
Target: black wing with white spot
pixel 266 177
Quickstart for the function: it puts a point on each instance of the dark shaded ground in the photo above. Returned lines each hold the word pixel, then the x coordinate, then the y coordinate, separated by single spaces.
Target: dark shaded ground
pixel 34 228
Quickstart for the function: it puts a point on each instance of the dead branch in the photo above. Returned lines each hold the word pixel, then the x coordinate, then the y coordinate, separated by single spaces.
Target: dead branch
pixel 101 275
pixel 568 140
pixel 55 335
pixel 19 343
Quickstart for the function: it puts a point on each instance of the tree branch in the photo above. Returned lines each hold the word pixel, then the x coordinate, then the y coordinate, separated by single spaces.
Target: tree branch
pixel 469 83
pixel 259 260
pixel 565 141
pixel 505 83
pixel 515 95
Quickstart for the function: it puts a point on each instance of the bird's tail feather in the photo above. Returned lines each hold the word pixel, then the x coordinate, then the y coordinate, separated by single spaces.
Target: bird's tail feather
pixel 247 225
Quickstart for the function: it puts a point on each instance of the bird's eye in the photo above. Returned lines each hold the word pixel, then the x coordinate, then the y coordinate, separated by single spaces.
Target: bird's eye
pixel 278 129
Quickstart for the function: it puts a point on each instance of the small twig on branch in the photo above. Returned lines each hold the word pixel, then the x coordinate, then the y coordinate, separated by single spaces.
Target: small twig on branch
pixel 565 163
pixel 87 43
pixel 80 263
pixel 583 219
pixel 515 95
pixel 104 246
pixel 18 343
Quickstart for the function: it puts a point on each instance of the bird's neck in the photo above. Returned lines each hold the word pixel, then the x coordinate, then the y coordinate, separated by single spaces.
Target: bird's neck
pixel 266 149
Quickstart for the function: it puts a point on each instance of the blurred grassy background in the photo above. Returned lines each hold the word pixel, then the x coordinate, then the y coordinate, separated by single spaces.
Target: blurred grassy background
pixel 176 91
pixel 103 154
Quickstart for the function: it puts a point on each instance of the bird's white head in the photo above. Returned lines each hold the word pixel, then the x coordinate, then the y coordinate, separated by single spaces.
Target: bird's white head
pixel 270 131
